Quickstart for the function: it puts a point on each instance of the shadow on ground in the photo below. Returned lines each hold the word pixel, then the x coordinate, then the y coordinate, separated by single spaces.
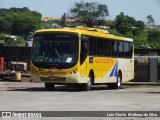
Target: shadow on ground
pixel 153 92
pixel 64 88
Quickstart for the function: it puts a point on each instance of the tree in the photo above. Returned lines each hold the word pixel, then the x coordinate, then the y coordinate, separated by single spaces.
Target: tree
pixel 140 25
pixel 19 21
pixel 23 24
pixel 151 21
pixel 9 40
pixel 5 25
pixel 154 35
pixel 89 13
pixel 126 24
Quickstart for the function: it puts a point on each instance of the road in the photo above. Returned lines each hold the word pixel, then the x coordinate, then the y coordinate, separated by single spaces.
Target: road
pixel 25 96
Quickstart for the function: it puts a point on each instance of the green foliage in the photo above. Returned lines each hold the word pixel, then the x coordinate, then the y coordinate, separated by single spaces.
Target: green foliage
pixel 5 25
pixel 57 24
pixel 154 35
pixel 114 32
pixel 45 25
pixel 20 41
pixel 139 24
pixel 151 21
pixel 125 24
pixel 74 23
pixel 89 12
pixel 12 40
pixel 146 39
pixel 146 45
pixel 19 21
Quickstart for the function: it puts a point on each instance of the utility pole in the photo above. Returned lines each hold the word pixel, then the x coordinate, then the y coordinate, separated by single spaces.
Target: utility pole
pixel 63 19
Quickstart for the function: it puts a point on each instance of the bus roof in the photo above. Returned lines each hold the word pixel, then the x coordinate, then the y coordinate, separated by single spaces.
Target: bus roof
pixel 86 31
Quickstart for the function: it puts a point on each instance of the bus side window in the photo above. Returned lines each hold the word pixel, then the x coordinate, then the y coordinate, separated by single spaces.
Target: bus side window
pixel 130 50
pixel 91 46
pixel 126 49
pixel 99 46
pixel 102 48
pixel 107 50
pixel 115 50
pixel 120 49
pixel 112 48
pixel 84 50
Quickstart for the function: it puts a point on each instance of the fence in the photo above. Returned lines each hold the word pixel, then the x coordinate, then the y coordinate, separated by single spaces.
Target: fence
pixel 147 69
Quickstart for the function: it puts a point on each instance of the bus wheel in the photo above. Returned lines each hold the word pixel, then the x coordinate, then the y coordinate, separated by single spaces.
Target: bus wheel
pixel 116 85
pixel 49 86
pixel 86 86
pixel 119 80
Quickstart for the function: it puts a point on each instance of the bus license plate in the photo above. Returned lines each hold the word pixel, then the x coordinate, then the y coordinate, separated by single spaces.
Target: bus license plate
pixel 52 78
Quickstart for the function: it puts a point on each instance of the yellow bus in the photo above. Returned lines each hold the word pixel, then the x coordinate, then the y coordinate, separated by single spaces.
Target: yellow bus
pixel 81 56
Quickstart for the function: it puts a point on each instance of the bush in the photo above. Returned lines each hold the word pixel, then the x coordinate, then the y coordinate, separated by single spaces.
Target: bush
pixel 12 40
pixel 154 35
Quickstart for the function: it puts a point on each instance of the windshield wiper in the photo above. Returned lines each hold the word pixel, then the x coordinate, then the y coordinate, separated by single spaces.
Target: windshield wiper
pixel 44 59
pixel 58 55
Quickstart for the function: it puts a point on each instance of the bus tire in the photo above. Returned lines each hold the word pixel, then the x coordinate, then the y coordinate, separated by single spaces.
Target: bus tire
pixel 49 86
pixel 116 85
pixel 119 80
pixel 87 86
pixel 89 83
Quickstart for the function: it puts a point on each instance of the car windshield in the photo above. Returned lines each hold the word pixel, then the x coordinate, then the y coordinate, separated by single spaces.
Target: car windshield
pixel 55 50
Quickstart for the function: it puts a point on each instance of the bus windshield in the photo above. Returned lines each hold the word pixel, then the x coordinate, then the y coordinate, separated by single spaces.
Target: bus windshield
pixel 55 50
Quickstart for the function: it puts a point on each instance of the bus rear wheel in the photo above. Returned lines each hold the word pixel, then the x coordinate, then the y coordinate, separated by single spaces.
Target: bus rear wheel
pixel 116 85
pixel 119 80
pixel 49 86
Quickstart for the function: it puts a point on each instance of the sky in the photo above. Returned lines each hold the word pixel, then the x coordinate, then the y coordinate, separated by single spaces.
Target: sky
pixel 139 9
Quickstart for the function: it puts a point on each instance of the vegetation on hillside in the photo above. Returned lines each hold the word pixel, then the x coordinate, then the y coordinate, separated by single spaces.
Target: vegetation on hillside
pixel 21 21
pixel 12 40
pixel 18 21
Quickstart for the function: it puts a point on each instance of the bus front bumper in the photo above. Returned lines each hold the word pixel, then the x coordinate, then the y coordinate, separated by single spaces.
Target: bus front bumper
pixel 71 79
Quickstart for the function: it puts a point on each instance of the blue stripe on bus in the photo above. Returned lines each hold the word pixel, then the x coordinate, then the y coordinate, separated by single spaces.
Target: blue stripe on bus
pixel 114 71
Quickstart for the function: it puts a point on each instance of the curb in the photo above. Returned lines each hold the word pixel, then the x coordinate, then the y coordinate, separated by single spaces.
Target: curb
pixel 141 83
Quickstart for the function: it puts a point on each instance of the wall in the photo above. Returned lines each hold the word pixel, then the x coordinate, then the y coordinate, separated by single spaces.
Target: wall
pixel 17 54
pixel 147 69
